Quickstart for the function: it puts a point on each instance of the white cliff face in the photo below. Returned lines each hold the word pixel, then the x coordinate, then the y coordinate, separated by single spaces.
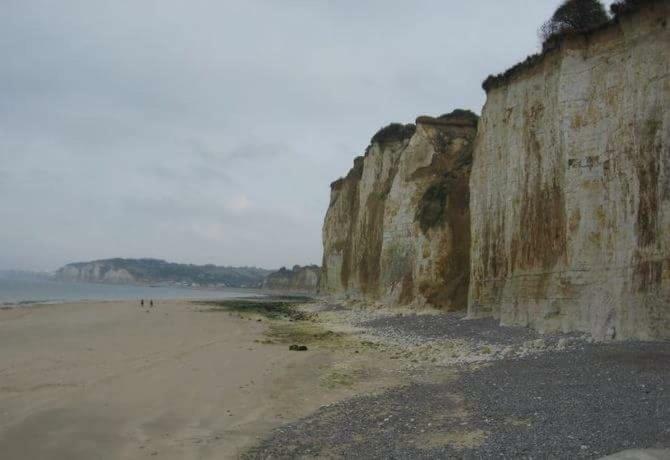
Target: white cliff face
pixel 298 279
pixel 378 246
pixel 570 187
pixel 95 273
pixel 425 257
pixel 337 231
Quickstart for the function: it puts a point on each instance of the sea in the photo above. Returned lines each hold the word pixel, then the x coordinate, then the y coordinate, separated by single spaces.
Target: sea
pixel 23 292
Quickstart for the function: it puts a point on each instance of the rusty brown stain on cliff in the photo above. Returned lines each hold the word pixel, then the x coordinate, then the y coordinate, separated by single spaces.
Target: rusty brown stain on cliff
pixel 353 181
pixel 575 219
pixel 541 239
pixel 541 242
pixel 647 165
pixel 577 122
pixel 371 242
pixel 455 269
pixel 371 234
pixel 493 253
pixel 452 261
pixel 649 274
pixel 508 115
pixel 453 158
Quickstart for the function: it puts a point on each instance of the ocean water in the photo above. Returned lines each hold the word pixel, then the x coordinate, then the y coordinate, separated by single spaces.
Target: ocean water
pixel 43 291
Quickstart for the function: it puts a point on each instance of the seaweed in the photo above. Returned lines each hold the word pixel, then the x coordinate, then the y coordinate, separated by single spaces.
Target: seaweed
pixel 275 308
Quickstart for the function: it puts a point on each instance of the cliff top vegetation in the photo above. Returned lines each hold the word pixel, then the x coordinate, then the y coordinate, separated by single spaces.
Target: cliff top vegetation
pixel 458 117
pixel 394 132
pixel 460 113
pixel 572 18
pixel 296 268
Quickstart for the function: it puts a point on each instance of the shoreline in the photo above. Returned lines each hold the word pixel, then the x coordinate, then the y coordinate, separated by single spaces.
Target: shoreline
pixel 53 292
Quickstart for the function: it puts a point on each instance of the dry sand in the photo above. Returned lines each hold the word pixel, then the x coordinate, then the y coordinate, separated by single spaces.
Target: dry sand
pixel 111 380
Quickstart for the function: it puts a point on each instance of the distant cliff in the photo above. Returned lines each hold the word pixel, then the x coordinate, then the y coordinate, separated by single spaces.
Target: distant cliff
pixel 148 271
pixel 397 228
pixel 298 279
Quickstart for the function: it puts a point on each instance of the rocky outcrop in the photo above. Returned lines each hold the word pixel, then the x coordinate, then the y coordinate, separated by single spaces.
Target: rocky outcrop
pixel 298 279
pixel 397 227
pixel 570 186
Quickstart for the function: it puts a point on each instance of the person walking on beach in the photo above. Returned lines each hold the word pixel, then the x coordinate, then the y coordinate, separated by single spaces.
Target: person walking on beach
pixel 141 302
pixel 151 303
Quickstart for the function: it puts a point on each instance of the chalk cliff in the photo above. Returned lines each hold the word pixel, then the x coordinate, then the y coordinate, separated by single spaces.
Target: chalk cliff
pixel 570 186
pixel 553 211
pixel 95 273
pixel 298 279
pixel 397 228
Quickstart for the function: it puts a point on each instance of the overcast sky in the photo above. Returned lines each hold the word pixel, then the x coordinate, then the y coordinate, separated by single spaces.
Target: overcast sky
pixel 209 131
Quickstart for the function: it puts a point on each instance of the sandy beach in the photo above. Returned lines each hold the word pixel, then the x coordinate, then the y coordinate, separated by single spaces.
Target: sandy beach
pixel 112 380
pixel 193 380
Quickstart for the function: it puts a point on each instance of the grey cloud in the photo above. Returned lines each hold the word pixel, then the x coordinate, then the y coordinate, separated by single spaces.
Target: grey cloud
pixel 209 130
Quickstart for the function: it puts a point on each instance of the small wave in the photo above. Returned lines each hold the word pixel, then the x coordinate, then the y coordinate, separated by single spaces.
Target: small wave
pixel 23 303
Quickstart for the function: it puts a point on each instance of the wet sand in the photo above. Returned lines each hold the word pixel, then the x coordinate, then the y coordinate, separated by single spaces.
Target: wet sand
pixel 113 380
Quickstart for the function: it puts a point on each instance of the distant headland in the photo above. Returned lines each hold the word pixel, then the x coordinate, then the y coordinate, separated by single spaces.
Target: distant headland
pixel 156 271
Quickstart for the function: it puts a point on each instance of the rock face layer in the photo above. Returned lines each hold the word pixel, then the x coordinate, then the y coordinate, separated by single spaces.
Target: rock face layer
pixel 397 228
pixel 570 187
pixel 298 279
